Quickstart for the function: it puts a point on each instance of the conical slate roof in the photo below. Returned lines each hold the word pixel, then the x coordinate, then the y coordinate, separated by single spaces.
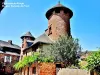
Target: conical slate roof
pixel 60 6
pixel 28 34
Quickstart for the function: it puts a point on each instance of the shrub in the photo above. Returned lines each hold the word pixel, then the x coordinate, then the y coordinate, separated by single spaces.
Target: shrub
pixel 29 60
pixel 94 62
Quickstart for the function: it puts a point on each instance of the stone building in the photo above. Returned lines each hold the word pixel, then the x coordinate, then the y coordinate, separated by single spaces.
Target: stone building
pixel 58 21
pixel 9 55
pixel 58 24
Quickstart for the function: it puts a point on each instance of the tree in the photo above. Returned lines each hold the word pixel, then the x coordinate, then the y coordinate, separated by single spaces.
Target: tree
pixel 93 62
pixel 65 49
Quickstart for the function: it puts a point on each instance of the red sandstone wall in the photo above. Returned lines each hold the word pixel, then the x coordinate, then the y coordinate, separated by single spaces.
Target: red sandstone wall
pixel 60 24
pixel 8 66
pixel 47 69
pixel 41 69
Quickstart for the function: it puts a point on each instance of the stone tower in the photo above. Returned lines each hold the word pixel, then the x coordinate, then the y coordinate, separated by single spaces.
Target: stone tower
pixel 26 37
pixel 58 21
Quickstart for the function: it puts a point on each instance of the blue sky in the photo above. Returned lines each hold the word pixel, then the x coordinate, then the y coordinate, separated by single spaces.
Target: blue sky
pixel 85 23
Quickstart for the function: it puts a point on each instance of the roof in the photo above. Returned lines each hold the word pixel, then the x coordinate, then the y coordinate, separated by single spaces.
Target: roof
pixel 1 4
pixel 28 34
pixel 11 53
pixel 87 53
pixel 7 44
pixel 41 39
pixel 49 12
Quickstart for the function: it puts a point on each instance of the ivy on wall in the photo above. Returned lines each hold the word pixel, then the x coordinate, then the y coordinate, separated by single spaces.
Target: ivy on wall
pixel 29 60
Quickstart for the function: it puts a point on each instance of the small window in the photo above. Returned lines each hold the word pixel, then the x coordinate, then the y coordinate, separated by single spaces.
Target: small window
pixel 28 71
pixel 27 38
pixel 34 70
pixel 24 71
pixel 58 65
pixel 7 59
pixel 57 11
pixel 22 45
pixel 50 30
pixel 17 59
pixel 26 53
pixel 65 11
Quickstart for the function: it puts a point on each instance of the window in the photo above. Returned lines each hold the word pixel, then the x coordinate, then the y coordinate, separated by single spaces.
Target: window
pixel 26 53
pixel 27 38
pixel 34 70
pixel 22 45
pixel 28 71
pixel 57 11
pixel 58 65
pixel 50 30
pixel 24 71
pixel 17 58
pixel 65 11
pixel 7 59
pixel 29 44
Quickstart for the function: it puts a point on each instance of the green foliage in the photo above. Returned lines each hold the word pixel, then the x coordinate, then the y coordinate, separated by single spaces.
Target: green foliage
pixel 46 59
pixel 28 60
pixel 65 50
pixel 94 61
pixel 83 65
pixel 72 67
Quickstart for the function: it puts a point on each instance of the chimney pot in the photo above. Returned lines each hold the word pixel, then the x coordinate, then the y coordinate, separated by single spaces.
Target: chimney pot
pixel 10 41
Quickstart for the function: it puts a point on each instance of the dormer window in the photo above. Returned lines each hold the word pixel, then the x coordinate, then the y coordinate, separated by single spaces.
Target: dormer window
pixel 27 38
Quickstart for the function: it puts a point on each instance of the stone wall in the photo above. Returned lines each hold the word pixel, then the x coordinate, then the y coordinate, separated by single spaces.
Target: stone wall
pixel 47 69
pixel 66 71
pixel 41 69
pixel 60 25
pixel 8 66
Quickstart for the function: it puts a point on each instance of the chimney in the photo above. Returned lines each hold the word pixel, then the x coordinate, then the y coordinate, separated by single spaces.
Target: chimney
pixel 10 42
